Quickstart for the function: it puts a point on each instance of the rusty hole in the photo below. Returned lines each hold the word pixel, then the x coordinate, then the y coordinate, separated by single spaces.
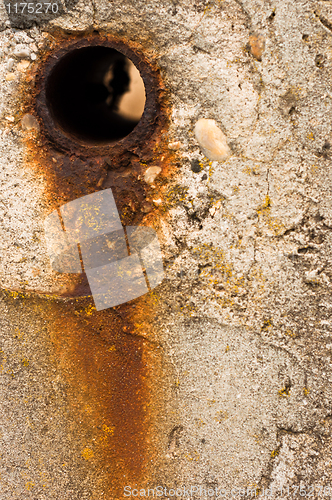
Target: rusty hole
pixel 95 95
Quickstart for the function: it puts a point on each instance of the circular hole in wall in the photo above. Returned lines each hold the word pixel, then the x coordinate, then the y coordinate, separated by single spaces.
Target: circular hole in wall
pixel 95 94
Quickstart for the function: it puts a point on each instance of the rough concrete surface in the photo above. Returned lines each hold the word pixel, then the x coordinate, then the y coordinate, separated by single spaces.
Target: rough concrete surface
pixel 237 353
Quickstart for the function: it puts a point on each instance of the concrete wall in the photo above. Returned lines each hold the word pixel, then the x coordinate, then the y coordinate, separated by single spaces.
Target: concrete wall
pixel 220 377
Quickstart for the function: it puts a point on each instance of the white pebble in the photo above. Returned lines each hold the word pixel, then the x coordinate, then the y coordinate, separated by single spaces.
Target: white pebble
pixel 175 145
pixel 33 57
pixel 22 65
pixel 10 77
pixel 21 51
pixel 151 173
pixel 212 140
pixel 29 122
pixel 10 64
pixel 311 276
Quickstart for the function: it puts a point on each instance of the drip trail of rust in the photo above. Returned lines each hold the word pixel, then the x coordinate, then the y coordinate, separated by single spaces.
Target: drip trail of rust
pixel 107 366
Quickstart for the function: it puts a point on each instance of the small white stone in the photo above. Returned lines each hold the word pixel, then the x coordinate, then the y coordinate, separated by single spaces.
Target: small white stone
pixel 215 208
pixel 10 118
pixel 151 173
pixel 10 64
pixel 21 50
pixel 212 140
pixel 158 201
pixel 175 145
pixel 33 57
pixel 10 77
pixel 23 65
pixel 311 276
pixel 29 122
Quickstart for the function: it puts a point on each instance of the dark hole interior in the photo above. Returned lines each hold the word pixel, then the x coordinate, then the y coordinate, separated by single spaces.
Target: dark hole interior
pixel 96 94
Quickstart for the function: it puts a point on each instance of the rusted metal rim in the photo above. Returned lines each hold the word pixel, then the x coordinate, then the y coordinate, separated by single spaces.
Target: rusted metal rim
pixel 68 142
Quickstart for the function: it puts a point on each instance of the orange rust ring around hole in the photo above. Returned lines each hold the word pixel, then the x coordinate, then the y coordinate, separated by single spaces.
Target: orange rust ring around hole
pixel 72 169
pixel 71 142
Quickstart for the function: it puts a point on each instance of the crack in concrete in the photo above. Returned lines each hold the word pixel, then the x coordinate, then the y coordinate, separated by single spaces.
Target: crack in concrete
pixel 325 22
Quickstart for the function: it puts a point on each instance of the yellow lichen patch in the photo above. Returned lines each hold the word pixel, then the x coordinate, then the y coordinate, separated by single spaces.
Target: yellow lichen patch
pixel 274 453
pixel 306 391
pixel 112 348
pixel 267 202
pixel 25 362
pixel 221 415
pixel 251 170
pixel 18 334
pixel 195 456
pixel 219 274
pixel 210 170
pixel 88 408
pixel 257 438
pixel 227 348
pixel 199 422
pixel 87 454
pixel 266 325
pixel 285 392
pixel 3 359
pixel 264 213
pixel 88 310
pixel 174 195
pixel 29 485
pixel 30 424
pixel 254 488
pixel 108 430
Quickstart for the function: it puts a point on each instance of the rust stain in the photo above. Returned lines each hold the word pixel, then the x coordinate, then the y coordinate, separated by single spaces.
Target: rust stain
pixel 104 357
pixel 257 45
pixel 71 169
pixel 111 377
pixel 107 370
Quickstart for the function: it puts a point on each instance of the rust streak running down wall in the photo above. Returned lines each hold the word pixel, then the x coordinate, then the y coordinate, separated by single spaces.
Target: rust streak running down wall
pixel 109 369
pixel 91 380
pixel 106 369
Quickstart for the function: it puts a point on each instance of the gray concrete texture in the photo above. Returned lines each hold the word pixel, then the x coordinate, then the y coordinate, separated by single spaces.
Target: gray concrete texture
pixel 238 356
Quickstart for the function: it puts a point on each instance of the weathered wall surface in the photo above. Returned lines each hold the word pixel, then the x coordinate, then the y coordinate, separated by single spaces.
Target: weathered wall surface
pixel 222 377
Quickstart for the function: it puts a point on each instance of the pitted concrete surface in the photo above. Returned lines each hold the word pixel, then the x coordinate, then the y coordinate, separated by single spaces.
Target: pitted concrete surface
pixel 243 318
